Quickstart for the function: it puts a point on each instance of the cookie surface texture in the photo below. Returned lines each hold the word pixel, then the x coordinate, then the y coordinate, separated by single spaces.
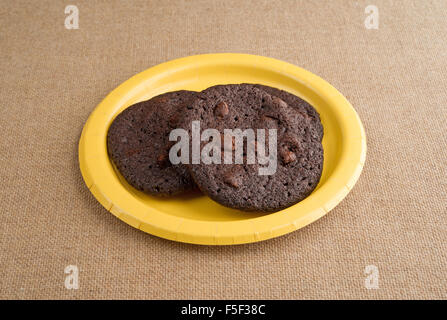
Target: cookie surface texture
pixel 138 144
pixel 299 153
pixel 300 105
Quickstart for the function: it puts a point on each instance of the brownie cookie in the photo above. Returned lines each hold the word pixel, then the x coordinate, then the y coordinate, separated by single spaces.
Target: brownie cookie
pixel 299 159
pixel 138 143
pixel 300 105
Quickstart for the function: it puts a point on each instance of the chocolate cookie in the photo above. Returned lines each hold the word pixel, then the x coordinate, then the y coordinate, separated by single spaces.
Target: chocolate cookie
pixel 299 154
pixel 300 105
pixel 138 143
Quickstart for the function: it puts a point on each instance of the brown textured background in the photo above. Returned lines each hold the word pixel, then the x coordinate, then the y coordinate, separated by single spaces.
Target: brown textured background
pixel 395 217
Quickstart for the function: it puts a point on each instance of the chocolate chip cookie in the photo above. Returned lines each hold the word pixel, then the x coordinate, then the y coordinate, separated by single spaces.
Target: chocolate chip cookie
pixel 297 156
pixel 138 144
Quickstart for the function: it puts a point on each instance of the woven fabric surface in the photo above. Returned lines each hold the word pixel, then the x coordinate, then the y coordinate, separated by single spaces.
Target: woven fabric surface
pixel 395 217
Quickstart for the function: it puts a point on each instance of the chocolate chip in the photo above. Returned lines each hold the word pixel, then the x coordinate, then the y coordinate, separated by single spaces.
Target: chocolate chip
pixel 232 181
pixel 132 152
pixel 161 99
pixel 287 156
pixel 163 160
pixel 269 122
pixel 173 120
pixel 279 103
pixel 290 142
pixel 221 109
pixel 233 177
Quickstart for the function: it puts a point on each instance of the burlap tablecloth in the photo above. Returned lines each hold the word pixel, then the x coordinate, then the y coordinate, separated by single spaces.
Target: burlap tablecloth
pixel 394 218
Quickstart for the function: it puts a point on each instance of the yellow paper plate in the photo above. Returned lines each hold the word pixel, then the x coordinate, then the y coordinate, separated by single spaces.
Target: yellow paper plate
pixel 195 218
